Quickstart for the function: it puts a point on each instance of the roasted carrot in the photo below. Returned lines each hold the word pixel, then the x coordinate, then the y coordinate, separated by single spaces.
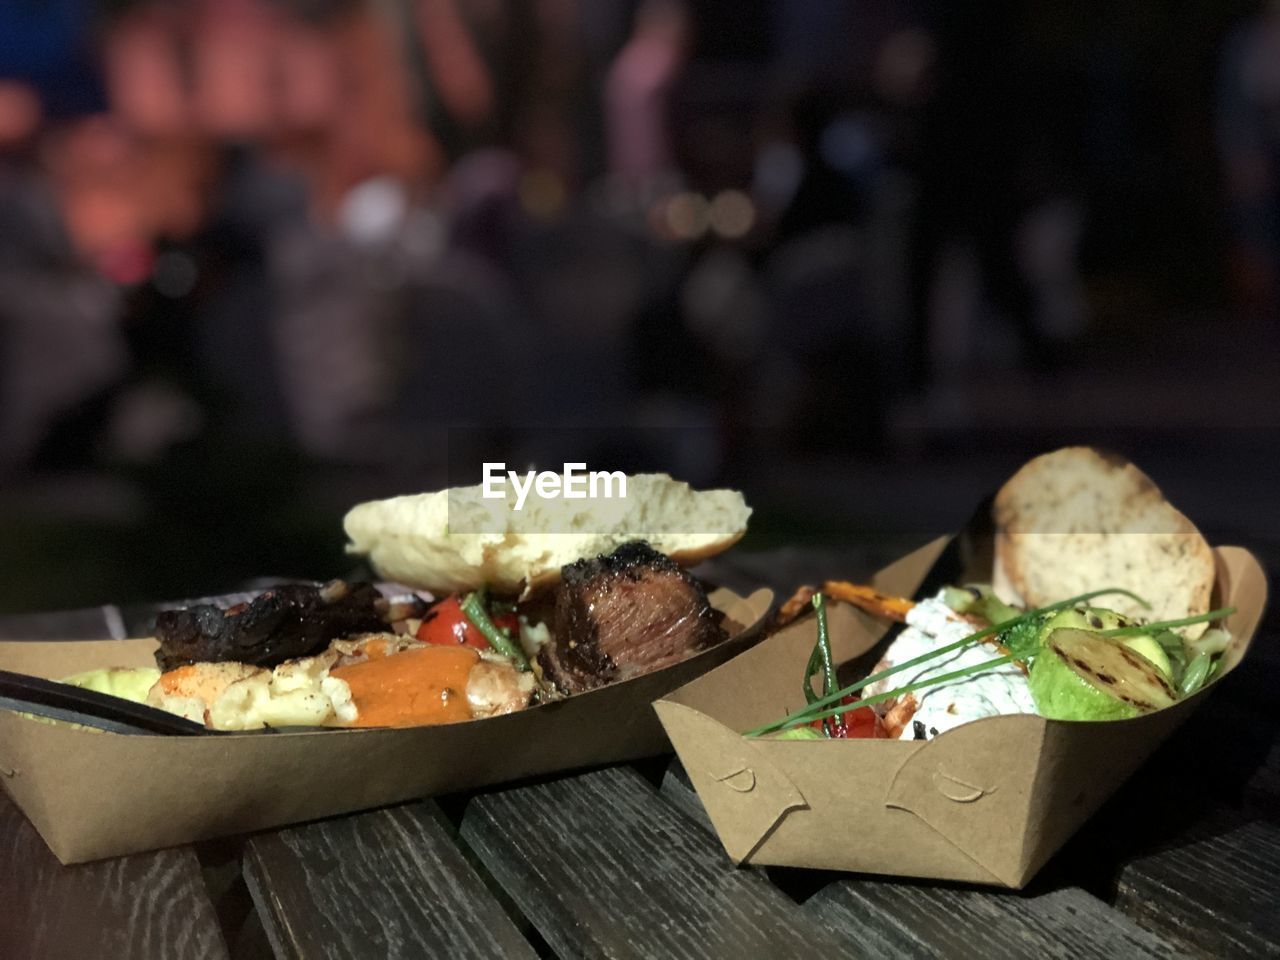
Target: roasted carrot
pixel 869 599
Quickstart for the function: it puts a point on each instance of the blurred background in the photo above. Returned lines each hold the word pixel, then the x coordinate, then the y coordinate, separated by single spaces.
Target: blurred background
pixel 262 259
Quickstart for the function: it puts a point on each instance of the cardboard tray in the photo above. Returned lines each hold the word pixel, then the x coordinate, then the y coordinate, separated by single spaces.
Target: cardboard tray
pixel 987 802
pixel 93 794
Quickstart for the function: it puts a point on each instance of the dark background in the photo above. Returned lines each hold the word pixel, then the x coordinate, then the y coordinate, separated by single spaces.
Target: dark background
pixel 860 258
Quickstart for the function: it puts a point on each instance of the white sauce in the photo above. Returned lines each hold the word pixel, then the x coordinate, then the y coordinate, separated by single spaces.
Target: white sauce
pixel 932 624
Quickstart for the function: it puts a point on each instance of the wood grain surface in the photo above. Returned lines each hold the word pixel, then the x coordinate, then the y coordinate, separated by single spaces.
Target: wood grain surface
pixel 605 869
pixel 1217 893
pixel 1190 847
pixel 150 905
pixel 387 884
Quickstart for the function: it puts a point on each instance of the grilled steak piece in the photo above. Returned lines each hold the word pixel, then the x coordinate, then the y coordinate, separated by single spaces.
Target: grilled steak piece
pixel 623 615
pixel 295 620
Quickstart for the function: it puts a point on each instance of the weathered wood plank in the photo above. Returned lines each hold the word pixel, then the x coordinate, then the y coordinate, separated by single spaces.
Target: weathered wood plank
pixel 1185 848
pixel 387 884
pixel 1217 892
pixel 603 868
pixel 958 921
pixel 147 905
pixel 895 918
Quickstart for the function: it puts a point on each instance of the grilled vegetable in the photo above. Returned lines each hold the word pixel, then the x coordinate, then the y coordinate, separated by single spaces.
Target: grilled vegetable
pixel 978 599
pixel 869 599
pixel 1148 647
pixel 1080 675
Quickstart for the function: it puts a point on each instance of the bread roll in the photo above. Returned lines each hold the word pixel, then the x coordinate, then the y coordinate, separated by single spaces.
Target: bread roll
pixel 454 540
pixel 1077 520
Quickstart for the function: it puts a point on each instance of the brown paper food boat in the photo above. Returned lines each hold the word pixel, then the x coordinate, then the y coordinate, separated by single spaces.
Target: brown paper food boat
pixel 986 802
pixel 93 794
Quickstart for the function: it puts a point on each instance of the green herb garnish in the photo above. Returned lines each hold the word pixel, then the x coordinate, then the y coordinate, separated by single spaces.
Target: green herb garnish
pixel 907 688
pixel 812 711
pixel 812 667
pixel 823 647
pixel 1162 625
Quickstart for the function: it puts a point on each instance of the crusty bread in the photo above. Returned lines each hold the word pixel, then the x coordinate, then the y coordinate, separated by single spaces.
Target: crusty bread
pixel 454 539
pixel 1077 520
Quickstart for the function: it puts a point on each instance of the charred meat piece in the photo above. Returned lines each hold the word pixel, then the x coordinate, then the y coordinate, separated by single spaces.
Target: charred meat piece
pixel 291 621
pixel 623 615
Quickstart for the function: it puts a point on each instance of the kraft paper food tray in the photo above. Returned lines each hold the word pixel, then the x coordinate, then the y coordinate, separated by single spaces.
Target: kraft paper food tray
pixel 987 802
pixel 93 794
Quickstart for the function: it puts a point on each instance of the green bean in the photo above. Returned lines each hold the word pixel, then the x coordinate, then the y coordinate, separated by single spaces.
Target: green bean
pixel 473 609
pixel 1196 673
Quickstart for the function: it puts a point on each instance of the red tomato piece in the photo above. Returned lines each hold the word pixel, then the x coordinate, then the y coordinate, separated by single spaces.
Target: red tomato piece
pixel 862 723
pixel 445 624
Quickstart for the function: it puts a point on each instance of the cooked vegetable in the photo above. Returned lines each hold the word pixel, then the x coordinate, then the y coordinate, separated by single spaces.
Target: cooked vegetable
pixel 1175 652
pixel 1212 641
pixel 869 599
pixel 857 723
pixel 799 733
pixel 473 608
pixel 446 625
pixel 1083 675
pixel 1196 674
pixel 978 599
pixel 1149 648
pixel 816 711
pixel 128 683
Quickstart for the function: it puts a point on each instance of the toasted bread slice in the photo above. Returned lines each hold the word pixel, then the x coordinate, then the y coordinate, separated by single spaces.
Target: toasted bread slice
pixel 454 540
pixel 1077 520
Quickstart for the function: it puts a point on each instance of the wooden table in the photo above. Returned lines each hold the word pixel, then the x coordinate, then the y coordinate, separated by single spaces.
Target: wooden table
pixel 621 862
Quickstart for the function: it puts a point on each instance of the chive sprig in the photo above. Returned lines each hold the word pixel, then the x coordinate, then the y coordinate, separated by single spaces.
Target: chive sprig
pixel 817 708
